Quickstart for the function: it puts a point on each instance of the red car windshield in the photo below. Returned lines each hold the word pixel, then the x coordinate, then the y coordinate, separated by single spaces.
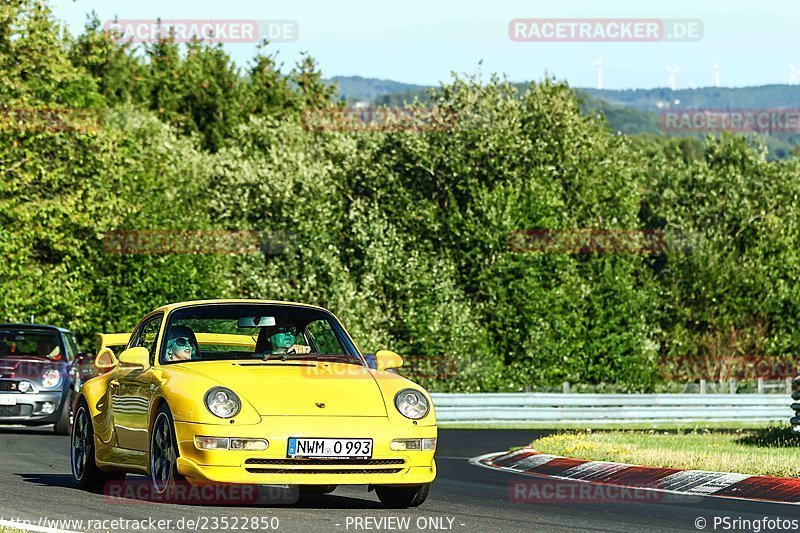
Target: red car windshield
pixel 30 342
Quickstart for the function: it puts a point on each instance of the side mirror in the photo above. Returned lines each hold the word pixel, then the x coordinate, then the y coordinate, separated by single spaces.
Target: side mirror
pixel 387 359
pixel 138 356
pixel 105 360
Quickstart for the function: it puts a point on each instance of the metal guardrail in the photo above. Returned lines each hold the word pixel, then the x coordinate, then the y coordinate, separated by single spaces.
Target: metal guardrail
pixel 485 408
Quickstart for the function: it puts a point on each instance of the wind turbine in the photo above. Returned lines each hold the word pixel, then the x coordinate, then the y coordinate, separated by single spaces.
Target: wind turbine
pixel 715 73
pixel 673 75
pixel 794 77
pixel 599 64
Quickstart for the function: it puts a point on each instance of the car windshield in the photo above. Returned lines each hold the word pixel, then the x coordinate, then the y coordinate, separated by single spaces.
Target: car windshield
pixel 19 342
pixel 255 332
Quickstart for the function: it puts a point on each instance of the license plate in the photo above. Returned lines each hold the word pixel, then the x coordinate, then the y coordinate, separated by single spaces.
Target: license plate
pixel 330 448
pixel 7 399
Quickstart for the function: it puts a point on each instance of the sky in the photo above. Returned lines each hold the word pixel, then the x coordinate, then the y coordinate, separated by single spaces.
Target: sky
pixel 423 42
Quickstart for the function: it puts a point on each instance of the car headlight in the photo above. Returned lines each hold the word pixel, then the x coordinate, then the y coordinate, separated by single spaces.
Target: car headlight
pixel 411 404
pixel 25 386
pixel 222 402
pixel 51 379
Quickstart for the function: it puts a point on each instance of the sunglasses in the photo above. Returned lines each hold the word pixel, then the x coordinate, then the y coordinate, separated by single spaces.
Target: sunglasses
pixel 181 341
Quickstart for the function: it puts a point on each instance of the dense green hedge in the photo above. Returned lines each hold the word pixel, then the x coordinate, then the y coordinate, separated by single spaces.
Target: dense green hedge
pixel 403 234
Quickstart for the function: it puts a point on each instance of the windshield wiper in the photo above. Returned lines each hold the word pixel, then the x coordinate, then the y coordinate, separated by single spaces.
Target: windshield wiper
pixel 322 356
pixel 266 355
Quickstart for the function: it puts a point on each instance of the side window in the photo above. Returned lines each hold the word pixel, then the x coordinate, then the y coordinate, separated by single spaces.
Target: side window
pixel 71 346
pixel 321 334
pixel 147 335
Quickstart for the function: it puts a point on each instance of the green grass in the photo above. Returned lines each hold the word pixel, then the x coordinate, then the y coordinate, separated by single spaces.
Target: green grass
pixel 772 451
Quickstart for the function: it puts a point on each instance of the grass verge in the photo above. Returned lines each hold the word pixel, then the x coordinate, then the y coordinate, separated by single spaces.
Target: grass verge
pixel 771 451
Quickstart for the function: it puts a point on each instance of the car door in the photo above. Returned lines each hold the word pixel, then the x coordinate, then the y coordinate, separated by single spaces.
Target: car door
pixel 132 388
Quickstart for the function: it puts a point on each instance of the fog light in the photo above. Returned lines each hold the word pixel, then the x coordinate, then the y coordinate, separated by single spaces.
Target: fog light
pixel 211 443
pixel 249 444
pixel 224 443
pixel 401 445
pixel 24 386
pixel 48 408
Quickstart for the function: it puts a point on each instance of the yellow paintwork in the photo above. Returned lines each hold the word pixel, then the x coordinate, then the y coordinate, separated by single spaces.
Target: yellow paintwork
pixel 105 359
pixel 387 359
pixel 279 400
pixel 113 339
pixel 226 339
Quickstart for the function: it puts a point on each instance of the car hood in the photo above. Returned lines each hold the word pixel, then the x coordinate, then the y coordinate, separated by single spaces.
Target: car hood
pixel 298 388
pixel 29 367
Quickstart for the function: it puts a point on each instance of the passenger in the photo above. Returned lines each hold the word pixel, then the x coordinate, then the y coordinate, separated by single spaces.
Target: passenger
pixel 182 345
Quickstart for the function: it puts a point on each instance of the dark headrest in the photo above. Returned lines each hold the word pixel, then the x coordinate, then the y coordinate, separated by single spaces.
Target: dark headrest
pixel 263 343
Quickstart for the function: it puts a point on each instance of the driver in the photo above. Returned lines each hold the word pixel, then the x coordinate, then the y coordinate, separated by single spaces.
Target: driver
pixel 182 344
pixel 43 347
pixel 283 341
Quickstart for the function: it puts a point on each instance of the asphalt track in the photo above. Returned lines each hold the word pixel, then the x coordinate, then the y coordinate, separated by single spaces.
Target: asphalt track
pixel 35 485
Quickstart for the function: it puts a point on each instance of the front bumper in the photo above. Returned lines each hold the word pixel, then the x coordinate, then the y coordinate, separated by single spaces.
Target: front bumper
pixel 272 467
pixel 28 408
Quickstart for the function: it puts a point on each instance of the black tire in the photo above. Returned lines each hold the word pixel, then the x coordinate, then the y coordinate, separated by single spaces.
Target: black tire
pixel 63 425
pixel 85 472
pixel 402 497
pixel 163 460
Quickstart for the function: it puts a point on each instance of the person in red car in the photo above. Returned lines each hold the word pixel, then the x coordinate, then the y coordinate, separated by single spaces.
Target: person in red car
pixel 45 348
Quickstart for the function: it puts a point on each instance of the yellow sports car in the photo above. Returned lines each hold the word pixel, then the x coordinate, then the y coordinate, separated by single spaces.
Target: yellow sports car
pixel 258 393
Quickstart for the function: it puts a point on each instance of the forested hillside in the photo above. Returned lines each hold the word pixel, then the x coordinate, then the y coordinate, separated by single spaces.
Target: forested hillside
pixel 630 111
pixel 403 232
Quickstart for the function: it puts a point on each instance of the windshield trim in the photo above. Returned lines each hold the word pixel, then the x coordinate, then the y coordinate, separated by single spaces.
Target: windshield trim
pixel 338 329
pixel 52 330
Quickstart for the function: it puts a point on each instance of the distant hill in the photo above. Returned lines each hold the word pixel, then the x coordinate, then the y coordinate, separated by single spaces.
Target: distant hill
pixel 705 97
pixel 358 89
pixel 629 111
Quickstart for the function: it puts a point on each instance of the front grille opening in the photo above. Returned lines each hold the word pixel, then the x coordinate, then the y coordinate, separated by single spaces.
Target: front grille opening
pixel 317 462
pixel 323 470
pixel 300 466
pixel 8 386
pixel 15 410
